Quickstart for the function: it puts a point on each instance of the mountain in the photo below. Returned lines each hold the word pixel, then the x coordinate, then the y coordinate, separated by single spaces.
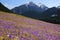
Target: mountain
pixel 43 7
pixel 32 14
pixel 17 27
pixel 30 10
pixel 3 8
pixel 39 12
pixel 29 7
pixel 51 15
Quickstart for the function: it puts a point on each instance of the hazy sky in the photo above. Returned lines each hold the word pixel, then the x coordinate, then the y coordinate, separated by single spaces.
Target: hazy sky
pixel 13 3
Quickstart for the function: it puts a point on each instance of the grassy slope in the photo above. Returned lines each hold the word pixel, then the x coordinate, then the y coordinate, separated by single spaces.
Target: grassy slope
pixel 17 27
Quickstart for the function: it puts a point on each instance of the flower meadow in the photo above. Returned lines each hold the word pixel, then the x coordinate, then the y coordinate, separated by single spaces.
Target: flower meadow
pixel 17 27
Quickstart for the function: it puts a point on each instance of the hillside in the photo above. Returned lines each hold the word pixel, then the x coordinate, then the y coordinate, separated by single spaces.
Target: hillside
pixel 52 15
pixel 17 27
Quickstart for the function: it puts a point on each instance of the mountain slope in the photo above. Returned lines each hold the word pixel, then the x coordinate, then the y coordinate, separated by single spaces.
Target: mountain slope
pixel 17 27
pixel 52 15
pixel 3 8
pixel 29 7
pixel 30 10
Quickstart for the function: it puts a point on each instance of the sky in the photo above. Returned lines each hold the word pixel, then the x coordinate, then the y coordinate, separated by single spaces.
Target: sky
pixel 14 3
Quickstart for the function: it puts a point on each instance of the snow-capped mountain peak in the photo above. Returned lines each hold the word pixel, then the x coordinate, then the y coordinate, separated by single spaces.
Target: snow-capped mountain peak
pixel 42 6
pixel 30 4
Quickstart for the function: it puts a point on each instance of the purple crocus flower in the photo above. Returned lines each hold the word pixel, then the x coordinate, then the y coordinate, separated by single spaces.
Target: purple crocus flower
pixel 36 33
pixel 58 38
pixel 50 36
pixel 10 35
